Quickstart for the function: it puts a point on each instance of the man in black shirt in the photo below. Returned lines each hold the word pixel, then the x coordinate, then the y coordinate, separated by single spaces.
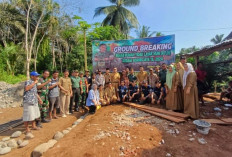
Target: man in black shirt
pixel 158 94
pixel 122 92
pixel 134 92
pixel 146 93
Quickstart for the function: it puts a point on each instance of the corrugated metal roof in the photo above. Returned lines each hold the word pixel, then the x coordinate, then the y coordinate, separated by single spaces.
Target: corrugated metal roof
pixel 209 50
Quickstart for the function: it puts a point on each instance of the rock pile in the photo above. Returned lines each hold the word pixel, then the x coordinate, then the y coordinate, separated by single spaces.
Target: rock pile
pixel 11 95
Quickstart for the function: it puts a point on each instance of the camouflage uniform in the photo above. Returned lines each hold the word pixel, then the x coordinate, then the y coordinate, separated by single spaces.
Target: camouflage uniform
pixel 43 93
pixel 83 85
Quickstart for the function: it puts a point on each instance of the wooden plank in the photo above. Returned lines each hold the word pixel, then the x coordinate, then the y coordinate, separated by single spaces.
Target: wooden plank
pixel 210 96
pixel 216 121
pixel 168 117
pixel 171 118
pixel 171 113
pixel 227 120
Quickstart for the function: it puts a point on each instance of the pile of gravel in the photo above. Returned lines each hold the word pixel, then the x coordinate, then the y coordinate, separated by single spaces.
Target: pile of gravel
pixel 11 95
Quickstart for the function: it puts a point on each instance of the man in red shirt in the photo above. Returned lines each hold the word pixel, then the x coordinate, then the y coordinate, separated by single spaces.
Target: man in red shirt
pixel 201 75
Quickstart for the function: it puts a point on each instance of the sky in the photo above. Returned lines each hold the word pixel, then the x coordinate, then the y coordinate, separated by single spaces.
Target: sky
pixel 193 22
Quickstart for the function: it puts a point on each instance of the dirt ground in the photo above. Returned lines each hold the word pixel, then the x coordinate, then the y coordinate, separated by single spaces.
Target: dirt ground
pixel 82 142
pixel 9 114
pixel 122 131
pixel 41 136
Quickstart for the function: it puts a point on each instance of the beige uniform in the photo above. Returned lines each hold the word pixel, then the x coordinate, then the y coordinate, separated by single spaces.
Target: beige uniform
pixel 115 80
pixel 103 99
pixel 191 102
pixel 141 76
pixel 111 94
pixel 107 78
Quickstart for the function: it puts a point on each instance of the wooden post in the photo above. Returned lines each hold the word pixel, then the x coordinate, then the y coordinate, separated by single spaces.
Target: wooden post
pixel 196 61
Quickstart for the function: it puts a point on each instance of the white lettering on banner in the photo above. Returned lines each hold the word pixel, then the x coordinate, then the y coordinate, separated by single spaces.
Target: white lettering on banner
pixel 133 48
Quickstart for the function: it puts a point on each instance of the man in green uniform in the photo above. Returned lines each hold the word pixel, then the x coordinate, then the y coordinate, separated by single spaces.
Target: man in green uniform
pixel 84 90
pixel 76 91
pixel 43 89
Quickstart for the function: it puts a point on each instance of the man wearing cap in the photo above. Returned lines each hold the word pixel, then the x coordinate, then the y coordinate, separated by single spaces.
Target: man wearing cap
pixel 146 93
pixel 134 92
pixel 110 94
pixel 115 79
pixel 152 78
pixel 43 89
pixel 31 99
pixel 141 76
pixel 107 76
pixel 84 90
pixel 100 79
pixel 76 91
pixel 132 76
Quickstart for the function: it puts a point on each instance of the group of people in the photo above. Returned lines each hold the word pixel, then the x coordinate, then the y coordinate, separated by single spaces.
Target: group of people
pixel 174 86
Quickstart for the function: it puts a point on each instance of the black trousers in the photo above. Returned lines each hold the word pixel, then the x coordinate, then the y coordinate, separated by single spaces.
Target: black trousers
pixel 75 98
pixel 136 97
pixel 92 109
pixel 147 100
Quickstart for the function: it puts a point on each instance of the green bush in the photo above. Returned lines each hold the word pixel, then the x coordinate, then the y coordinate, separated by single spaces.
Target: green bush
pixel 12 79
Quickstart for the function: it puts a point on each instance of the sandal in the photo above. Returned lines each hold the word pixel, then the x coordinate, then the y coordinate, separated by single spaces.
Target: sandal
pixel 36 128
pixel 55 117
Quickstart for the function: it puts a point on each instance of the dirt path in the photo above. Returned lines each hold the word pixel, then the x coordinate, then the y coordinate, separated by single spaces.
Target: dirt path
pixel 9 114
pixel 97 136
pixel 41 136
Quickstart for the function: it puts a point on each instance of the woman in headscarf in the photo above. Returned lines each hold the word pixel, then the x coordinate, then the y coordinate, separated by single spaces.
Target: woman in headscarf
pixel 180 90
pixel 93 99
pixel 191 103
pixel 172 81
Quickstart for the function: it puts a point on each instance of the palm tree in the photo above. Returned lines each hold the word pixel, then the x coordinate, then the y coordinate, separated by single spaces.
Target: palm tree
pixel 144 32
pixel 118 15
pixel 217 39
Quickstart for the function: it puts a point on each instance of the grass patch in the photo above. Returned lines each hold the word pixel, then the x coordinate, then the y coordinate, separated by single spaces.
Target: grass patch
pixel 12 79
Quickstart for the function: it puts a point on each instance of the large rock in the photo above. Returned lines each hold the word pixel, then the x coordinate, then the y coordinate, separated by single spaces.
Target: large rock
pixel 3 144
pixel 24 143
pixel 16 134
pixel 29 136
pixel 19 142
pixel 6 139
pixel 58 136
pixel 65 132
pixel 51 143
pixel 12 143
pixel 5 150
pixel 39 150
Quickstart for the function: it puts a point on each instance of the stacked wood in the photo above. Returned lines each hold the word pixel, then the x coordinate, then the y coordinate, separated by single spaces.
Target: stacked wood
pixel 169 115
pixel 210 96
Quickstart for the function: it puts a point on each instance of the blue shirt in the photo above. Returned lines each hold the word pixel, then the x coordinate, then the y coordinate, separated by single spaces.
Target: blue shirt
pixel 122 90
pixel 30 96
pixel 133 89
pixel 93 95
pixel 146 90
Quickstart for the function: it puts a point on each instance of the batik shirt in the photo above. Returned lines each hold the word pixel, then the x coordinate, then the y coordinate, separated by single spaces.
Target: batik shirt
pixel 30 96
pixel 132 77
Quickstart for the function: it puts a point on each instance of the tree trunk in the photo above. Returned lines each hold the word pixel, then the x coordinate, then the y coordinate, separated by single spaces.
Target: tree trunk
pixel 86 66
pixel 53 56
